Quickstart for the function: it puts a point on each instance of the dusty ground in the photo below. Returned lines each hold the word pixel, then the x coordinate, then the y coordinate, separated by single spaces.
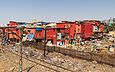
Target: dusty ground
pixel 10 63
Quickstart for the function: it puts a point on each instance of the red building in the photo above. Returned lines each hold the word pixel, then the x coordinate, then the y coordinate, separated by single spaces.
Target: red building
pixel 91 28
pixel 39 33
pixel 12 24
pixel 51 35
pixel 86 30
pixel 72 29
pixel 102 27
pixel 63 31
pixel 13 33
pixel 69 27
pixel 69 30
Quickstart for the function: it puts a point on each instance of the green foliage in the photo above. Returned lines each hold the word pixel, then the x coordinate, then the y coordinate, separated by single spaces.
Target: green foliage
pixel 112 27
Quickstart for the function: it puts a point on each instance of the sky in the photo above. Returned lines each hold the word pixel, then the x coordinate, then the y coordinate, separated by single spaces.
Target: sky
pixel 55 10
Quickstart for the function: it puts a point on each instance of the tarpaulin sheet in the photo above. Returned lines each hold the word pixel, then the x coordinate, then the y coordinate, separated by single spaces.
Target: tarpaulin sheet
pixel 30 36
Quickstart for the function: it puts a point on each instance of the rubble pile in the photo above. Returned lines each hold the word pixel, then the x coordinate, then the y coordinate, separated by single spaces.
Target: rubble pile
pixel 10 62
pixel 105 48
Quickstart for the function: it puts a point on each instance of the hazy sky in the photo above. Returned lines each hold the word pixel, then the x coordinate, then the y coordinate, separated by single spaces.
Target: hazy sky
pixel 55 10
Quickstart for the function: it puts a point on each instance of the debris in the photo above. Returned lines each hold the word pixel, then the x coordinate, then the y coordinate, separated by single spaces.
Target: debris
pixel 94 62
pixel 111 49
pixel 11 69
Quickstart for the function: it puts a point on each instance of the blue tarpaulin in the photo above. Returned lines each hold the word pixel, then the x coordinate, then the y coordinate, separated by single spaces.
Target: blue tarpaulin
pixel 30 36
pixel 38 29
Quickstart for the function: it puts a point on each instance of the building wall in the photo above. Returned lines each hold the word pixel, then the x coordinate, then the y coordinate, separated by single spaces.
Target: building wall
pixel 72 30
pixel 63 24
pixel 39 34
pixel 51 34
pixel 102 27
pixel 69 29
pixel 10 30
pixel 87 30
pixel 12 23
pixel 30 30
pixel 78 28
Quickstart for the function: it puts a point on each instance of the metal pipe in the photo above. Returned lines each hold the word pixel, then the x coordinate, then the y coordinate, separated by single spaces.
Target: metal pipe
pixel 44 41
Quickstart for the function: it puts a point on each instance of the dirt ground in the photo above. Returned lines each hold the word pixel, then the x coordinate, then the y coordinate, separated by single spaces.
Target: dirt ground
pixel 10 63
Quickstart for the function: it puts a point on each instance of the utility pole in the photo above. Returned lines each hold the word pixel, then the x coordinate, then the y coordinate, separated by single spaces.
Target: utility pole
pixel 75 38
pixel 20 63
pixel 114 32
pixel 45 41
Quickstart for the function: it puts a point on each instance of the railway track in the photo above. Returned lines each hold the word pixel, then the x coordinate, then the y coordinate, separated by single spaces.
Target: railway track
pixel 43 63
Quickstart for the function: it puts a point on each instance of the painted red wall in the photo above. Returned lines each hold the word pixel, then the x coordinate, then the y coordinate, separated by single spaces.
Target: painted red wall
pixel 87 30
pixel 63 24
pixel 72 30
pixel 12 23
pixel 17 31
pixel 102 27
pixel 52 34
pixel 39 34
pixel 78 28
pixel 32 30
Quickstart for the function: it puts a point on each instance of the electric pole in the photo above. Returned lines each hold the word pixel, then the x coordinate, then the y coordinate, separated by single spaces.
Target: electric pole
pixel 44 41
pixel 20 63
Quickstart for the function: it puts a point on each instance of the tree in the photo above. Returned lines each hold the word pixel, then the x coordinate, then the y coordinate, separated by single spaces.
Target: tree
pixel 112 27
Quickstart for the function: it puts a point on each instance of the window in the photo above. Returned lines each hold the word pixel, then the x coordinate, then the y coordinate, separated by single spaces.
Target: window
pixel 29 31
pixel 71 35
pixel 53 29
pixel 39 34
pixel 71 25
pixel 58 30
pixel 16 29
pixel 63 36
pixel 78 30
pixel 38 31
pixel 74 30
